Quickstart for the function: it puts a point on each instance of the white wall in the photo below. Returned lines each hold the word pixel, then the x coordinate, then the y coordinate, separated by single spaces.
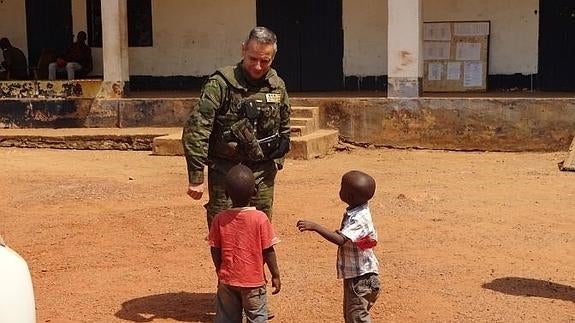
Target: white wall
pixel 189 37
pixel 194 37
pixel 364 37
pixel 79 19
pixel 514 29
pixel 13 23
pixel 513 41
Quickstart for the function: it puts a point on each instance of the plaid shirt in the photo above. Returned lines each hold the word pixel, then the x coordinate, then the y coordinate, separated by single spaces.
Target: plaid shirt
pixel 356 256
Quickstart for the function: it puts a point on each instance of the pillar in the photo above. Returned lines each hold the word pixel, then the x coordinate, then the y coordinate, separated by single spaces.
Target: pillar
pixel 405 59
pixel 115 48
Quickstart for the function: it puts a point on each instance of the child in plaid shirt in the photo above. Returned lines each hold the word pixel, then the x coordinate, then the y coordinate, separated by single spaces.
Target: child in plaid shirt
pixel 356 261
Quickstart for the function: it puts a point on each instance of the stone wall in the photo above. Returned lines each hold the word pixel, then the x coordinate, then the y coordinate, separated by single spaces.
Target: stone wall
pixel 46 90
pixel 495 124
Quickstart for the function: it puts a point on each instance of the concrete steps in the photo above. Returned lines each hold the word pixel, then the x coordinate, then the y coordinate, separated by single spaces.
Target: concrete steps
pixel 83 138
pixel 307 140
pixel 314 145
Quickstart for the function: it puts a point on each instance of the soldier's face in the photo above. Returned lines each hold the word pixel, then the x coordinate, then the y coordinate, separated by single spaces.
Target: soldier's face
pixel 257 58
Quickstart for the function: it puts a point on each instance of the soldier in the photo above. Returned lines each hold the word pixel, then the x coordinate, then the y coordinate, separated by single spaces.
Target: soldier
pixel 242 117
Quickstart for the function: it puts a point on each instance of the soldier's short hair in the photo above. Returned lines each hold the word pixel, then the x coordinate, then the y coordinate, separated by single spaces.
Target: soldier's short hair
pixel 263 35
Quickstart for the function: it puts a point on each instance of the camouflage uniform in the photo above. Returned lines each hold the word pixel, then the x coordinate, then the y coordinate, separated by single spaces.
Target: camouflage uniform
pixel 208 137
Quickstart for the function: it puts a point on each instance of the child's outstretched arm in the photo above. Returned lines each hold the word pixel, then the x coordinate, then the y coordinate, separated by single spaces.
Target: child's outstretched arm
pixel 331 236
pixel 271 261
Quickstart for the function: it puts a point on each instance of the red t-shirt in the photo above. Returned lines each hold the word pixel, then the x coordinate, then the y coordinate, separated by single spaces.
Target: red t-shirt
pixel 242 234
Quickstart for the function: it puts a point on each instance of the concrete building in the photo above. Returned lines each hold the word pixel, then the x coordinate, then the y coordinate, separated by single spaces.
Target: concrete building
pixel 359 39
pixel 331 46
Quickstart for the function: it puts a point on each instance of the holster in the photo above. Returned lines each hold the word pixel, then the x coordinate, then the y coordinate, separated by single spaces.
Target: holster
pixel 244 132
pixel 283 148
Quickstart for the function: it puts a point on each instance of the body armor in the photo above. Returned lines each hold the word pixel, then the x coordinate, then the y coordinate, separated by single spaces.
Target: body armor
pixel 247 126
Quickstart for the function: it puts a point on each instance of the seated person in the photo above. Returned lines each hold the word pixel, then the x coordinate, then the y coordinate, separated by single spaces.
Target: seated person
pixel 77 60
pixel 15 65
pixel 40 71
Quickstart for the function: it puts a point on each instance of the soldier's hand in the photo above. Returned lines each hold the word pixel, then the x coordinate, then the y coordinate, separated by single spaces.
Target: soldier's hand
pixel 196 191
pixel 283 148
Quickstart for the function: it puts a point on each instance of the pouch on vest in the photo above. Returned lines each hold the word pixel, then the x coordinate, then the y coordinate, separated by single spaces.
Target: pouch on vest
pixel 244 132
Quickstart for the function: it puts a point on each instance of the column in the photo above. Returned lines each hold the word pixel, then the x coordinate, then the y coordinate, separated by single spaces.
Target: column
pixel 115 48
pixel 405 60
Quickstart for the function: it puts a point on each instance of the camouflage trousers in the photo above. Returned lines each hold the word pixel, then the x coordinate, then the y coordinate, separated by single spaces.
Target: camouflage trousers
pixel 264 173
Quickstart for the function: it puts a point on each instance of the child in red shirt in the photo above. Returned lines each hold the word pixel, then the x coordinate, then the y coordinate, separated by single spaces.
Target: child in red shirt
pixel 241 240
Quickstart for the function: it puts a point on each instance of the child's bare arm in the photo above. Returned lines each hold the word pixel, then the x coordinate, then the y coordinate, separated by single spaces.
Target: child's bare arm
pixel 216 257
pixel 271 261
pixel 332 236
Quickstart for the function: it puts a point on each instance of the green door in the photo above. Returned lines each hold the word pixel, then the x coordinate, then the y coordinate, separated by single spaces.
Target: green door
pixel 49 25
pixel 310 42
pixel 557 45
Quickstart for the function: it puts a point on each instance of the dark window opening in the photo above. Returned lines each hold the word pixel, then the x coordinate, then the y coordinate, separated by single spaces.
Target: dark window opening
pixel 139 23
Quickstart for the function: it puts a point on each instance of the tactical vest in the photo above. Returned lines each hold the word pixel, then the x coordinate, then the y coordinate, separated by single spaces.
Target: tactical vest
pixel 260 106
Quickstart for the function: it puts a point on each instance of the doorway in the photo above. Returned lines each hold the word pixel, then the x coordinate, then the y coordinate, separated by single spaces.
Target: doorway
pixel 49 25
pixel 556 45
pixel 310 42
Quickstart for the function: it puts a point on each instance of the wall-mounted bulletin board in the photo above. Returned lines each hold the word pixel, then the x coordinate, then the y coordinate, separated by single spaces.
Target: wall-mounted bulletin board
pixel 455 56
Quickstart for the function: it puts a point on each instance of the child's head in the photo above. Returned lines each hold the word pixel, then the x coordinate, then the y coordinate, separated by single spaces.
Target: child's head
pixel 240 185
pixel 356 188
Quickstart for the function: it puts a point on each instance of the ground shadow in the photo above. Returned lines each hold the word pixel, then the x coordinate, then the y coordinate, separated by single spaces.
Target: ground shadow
pixel 532 287
pixel 183 307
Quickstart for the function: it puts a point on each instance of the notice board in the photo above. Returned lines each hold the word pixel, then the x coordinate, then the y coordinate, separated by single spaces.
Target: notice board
pixel 455 56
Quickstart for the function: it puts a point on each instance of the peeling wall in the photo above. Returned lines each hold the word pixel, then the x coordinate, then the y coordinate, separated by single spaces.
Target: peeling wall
pixel 32 113
pixel 194 37
pixel 46 90
pixel 493 124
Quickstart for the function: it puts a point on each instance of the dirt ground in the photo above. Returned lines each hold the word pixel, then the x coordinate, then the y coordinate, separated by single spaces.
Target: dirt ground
pixel 463 237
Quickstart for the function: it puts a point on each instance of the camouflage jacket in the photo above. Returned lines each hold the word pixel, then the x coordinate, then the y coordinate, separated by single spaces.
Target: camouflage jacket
pixel 219 108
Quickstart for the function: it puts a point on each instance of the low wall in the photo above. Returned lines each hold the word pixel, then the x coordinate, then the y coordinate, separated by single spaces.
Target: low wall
pixel 494 124
pixel 36 113
pixel 149 112
pixel 47 90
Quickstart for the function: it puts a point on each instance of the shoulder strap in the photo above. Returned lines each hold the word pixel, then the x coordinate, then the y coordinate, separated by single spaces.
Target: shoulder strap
pixel 228 97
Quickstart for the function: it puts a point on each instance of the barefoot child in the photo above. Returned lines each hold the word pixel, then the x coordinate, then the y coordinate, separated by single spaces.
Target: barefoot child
pixel 356 261
pixel 241 240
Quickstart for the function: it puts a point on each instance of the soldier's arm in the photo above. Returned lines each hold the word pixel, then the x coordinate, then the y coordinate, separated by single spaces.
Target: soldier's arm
pixel 284 131
pixel 285 113
pixel 197 130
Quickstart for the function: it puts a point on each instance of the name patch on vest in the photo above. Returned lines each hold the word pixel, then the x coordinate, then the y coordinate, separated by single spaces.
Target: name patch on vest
pixel 273 97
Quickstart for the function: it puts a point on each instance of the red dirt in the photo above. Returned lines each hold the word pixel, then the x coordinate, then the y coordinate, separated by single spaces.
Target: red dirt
pixel 464 237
